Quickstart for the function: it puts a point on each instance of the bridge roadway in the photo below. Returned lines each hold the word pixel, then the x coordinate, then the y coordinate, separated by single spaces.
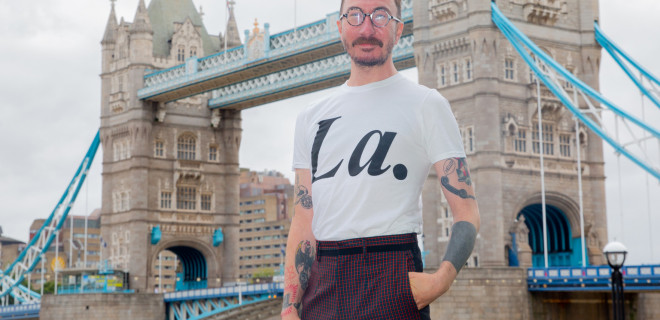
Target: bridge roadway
pixel 287 64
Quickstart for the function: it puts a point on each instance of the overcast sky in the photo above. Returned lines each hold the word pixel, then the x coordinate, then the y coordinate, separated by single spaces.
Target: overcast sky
pixel 50 60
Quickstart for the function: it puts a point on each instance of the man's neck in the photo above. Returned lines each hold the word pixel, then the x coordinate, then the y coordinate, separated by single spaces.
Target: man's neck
pixel 361 75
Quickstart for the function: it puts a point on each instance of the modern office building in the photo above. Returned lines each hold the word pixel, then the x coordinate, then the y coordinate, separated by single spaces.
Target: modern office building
pixel 266 208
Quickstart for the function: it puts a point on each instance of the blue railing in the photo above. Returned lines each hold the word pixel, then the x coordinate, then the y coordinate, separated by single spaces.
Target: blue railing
pixel 596 278
pixel 23 311
pixel 253 289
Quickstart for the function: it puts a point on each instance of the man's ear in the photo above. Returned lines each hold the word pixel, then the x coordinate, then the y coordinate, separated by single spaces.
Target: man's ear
pixel 399 31
pixel 339 26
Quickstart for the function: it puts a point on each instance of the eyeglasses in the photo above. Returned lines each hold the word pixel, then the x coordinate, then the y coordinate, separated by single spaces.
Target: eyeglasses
pixel 379 18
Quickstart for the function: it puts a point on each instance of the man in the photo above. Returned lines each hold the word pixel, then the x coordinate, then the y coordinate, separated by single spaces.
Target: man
pixel 361 158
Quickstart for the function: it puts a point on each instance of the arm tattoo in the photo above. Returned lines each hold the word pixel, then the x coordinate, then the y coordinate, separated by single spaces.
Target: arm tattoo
pixel 460 166
pixel 286 304
pixel 303 197
pixel 304 258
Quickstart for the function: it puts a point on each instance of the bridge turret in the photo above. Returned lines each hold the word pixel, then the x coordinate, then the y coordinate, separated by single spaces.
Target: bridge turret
pixel 141 36
pixel 233 37
pixel 109 39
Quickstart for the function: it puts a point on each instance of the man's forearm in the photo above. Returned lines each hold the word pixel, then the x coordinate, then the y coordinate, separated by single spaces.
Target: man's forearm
pixel 300 248
pixel 300 254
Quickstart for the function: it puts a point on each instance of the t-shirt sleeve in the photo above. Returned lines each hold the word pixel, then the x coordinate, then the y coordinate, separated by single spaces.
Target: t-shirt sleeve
pixel 442 137
pixel 301 149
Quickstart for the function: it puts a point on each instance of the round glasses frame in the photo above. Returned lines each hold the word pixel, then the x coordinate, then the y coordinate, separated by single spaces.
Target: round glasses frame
pixel 357 13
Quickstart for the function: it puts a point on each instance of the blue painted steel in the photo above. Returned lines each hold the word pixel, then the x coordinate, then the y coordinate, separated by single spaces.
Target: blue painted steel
pixel 616 53
pixel 562 249
pixel 596 278
pixel 199 304
pixel 252 289
pixel 156 234
pixel 513 252
pixel 77 182
pixel 520 41
pixel 24 311
pixel 218 237
pixel 194 274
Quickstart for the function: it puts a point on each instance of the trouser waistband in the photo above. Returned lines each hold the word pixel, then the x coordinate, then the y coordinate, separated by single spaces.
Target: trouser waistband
pixel 399 242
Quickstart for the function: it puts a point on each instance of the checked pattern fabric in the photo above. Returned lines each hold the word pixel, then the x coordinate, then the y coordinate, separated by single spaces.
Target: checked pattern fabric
pixel 360 285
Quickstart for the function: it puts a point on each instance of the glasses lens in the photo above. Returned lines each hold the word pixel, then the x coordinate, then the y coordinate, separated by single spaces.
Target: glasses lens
pixel 380 18
pixel 355 17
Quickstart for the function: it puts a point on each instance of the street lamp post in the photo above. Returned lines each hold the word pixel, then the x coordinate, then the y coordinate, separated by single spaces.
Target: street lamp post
pixel 615 252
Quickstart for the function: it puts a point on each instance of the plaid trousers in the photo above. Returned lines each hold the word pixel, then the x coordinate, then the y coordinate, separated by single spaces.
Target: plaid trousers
pixel 364 278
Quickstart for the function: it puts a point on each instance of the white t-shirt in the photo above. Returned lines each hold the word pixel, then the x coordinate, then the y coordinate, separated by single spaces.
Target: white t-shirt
pixel 370 149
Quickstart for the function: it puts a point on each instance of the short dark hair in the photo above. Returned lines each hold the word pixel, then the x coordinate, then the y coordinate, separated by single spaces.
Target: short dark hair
pixel 396 2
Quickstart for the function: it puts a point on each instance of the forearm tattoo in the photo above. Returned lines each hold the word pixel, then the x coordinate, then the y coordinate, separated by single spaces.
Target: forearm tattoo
pixel 303 197
pixel 458 165
pixel 304 258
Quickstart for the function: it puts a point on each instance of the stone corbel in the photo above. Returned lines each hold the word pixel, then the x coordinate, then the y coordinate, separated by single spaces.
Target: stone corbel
pixel 216 118
pixel 161 112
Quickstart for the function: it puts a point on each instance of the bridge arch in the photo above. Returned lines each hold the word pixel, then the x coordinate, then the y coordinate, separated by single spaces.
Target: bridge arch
pixel 563 228
pixel 196 261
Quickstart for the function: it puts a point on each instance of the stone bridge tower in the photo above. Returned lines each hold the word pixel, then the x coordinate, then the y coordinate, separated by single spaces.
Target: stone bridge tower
pixel 170 170
pixel 463 54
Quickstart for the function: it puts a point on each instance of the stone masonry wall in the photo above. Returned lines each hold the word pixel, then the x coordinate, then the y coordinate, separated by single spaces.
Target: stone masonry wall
pixel 138 306
pixel 485 293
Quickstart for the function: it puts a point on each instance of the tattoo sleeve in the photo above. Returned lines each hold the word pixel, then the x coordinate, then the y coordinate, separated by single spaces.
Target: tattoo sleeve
pixel 458 166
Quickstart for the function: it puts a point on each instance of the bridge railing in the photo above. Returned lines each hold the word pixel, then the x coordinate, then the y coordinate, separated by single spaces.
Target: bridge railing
pixel 594 278
pixel 252 289
pixel 22 311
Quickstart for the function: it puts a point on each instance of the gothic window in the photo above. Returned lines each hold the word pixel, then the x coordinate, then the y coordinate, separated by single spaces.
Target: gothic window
pixel 186 198
pixel 125 198
pixel 159 149
pixel 520 141
pixel 509 70
pixel 468 69
pixel 121 149
pixel 454 72
pixel 567 85
pixel 213 153
pixel 548 139
pixel 181 54
pixel 442 76
pixel 468 139
pixel 565 145
pixel 121 83
pixel 166 200
pixel 206 202
pixel 193 51
pixel 186 147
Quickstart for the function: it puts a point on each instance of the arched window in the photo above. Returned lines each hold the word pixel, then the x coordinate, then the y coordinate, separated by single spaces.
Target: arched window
pixel 186 147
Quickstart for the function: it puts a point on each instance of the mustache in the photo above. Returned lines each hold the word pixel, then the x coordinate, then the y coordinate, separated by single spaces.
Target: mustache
pixel 372 41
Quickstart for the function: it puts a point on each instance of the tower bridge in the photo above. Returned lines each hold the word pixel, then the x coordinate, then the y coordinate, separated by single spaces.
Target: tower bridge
pixel 171 131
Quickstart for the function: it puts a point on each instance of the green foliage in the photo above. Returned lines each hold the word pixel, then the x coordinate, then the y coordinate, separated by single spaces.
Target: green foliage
pixel 264 273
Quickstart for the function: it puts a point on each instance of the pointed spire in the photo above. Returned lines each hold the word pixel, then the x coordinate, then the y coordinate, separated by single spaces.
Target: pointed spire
pixel 141 23
pixel 111 27
pixel 231 33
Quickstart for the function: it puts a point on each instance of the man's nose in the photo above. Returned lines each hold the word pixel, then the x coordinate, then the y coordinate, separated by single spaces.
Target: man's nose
pixel 367 27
